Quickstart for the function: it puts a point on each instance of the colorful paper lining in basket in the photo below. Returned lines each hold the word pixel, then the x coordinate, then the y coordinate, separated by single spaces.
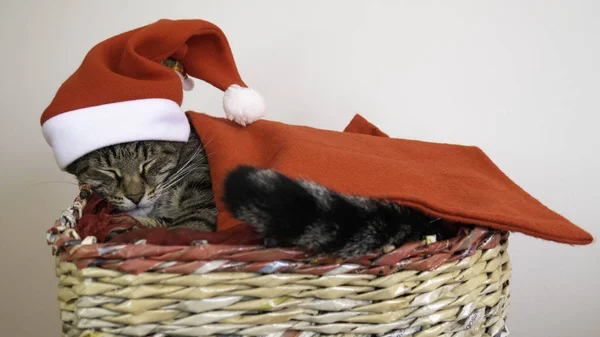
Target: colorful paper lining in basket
pixel 457 287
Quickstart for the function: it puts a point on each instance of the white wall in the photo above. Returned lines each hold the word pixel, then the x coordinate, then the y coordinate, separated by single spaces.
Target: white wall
pixel 518 78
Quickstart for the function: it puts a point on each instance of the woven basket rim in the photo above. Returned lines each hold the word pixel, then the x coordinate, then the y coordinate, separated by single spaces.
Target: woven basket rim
pixel 139 256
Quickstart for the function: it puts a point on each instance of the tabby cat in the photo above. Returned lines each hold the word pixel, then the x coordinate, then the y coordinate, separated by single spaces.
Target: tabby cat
pixel 168 184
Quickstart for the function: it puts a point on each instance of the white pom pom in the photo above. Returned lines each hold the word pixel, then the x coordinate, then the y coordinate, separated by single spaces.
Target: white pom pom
pixel 186 82
pixel 243 105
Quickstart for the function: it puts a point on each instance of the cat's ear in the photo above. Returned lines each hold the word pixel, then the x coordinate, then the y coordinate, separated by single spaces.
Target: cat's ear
pixel 77 167
pixel 72 168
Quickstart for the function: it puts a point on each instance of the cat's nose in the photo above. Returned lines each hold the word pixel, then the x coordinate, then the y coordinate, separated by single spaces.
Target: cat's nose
pixel 135 198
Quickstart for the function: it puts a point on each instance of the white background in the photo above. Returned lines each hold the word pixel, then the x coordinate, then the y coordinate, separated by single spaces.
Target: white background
pixel 520 79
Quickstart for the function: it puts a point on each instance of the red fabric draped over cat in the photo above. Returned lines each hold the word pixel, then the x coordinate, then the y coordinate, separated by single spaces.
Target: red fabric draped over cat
pixel 455 182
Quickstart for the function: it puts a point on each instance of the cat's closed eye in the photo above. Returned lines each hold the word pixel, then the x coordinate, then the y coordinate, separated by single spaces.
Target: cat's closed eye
pixel 113 173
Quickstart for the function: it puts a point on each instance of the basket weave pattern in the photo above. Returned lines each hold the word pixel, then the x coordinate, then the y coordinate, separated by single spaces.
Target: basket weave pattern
pixel 458 287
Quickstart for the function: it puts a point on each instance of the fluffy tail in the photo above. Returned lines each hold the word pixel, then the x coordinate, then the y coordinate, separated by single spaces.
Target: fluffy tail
pixel 308 215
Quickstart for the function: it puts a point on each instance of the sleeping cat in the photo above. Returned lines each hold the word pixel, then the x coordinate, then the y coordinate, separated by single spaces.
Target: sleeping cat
pixel 168 184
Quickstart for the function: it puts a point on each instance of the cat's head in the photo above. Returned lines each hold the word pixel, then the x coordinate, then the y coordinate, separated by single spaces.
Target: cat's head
pixel 131 176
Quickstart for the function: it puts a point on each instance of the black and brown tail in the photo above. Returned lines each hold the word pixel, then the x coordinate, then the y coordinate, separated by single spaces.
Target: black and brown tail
pixel 308 215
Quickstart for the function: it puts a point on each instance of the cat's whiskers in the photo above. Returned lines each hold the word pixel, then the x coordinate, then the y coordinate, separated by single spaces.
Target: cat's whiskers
pixel 203 145
pixel 166 187
pixel 209 154
pixel 184 166
pixel 183 171
pixel 172 182
pixel 183 174
pixel 178 174
pixel 54 182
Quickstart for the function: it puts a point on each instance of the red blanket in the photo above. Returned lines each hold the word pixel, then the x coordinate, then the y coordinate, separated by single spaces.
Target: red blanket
pixel 459 183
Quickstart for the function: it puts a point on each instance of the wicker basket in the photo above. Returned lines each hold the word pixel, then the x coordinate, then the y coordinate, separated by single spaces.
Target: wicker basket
pixel 458 287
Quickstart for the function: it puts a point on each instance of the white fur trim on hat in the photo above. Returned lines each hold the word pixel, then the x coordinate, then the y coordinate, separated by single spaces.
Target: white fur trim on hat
pixel 243 105
pixel 73 134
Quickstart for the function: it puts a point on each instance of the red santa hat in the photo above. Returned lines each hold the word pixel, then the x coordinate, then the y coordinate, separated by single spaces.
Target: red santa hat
pixel 124 91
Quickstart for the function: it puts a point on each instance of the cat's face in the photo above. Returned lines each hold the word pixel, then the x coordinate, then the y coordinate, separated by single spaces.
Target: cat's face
pixel 132 175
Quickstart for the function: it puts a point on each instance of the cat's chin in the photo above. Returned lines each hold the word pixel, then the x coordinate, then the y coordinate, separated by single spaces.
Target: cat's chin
pixel 140 211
